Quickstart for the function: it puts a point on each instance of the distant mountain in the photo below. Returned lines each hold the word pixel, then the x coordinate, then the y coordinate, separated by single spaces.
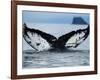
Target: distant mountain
pixel 78 20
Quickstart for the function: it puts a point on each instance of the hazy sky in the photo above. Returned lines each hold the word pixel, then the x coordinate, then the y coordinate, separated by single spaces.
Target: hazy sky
pixel 51 17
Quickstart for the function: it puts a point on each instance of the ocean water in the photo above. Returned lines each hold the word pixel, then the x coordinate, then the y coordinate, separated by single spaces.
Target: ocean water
pixel 55 58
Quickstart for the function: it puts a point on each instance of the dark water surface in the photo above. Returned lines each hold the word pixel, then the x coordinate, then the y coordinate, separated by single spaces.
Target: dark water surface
pixel 51 59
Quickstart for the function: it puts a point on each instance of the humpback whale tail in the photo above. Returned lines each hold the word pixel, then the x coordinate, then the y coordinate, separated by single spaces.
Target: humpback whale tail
pixel 40 40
